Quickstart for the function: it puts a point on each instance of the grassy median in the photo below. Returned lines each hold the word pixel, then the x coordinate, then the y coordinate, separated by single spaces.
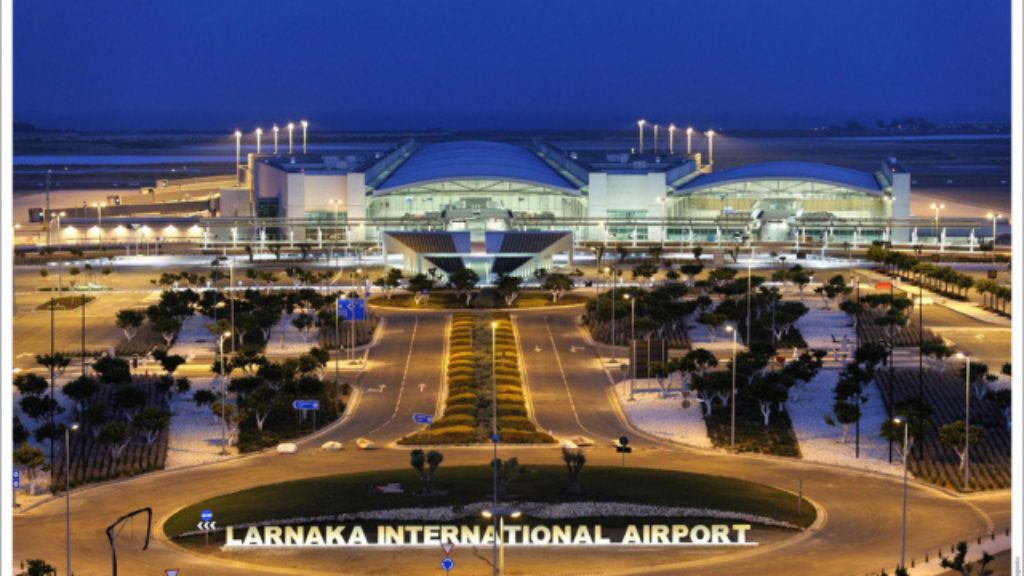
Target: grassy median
pixel 456 486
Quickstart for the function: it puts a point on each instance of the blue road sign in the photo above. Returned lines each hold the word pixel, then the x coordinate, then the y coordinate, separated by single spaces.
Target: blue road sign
pixel 206 515
pixel 447 564
pixel 422 418
pixel 306 404
pixel 351 309
pixel 17 479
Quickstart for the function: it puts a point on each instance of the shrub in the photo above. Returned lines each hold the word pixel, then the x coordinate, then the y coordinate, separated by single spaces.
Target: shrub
pixel 510 399
pixel 525 437
pixel 464 398
pixel 507 389
pixel 450 420
pixel 452 434
pixel 515 423
pixel 460 409
pixel 511 410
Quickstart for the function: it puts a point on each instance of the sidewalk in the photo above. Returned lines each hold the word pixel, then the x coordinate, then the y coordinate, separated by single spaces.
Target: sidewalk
pixel 971 309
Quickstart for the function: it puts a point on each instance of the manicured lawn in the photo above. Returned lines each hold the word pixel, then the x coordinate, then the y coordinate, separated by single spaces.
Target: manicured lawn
pixel 330 495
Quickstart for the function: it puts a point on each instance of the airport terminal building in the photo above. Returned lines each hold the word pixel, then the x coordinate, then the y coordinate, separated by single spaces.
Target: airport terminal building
pixel 614 197
pixel 512 206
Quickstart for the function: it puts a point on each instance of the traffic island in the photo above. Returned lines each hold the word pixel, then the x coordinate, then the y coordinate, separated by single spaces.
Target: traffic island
pixel 353 522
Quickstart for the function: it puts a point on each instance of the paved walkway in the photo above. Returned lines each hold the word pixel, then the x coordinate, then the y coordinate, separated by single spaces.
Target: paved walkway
pixel 966 308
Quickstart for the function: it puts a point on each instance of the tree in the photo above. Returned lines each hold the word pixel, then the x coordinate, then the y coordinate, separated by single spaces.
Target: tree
pixel 691 270
pixel 39 567
pixel 832 289
pixel 426 465
pixel 420 285
pixel 769 390
pixel 40 408
pixel 151 421
pixel 712 386
pixel 952 437
pixel 508 470
pixel 19 434
pixel 390 281
pixel 168 327
pixel 574 460
pixel 129 400
pixel 936 349
pixel 557 284
pixel 55 363
pixel 112 370
pixel 959 564
pixel 81 390
pixel 261 401
pixel 845 413
pixel 720 276
pixel 204 397
pixel 303 322
pixel 129 321
pixel 712 322
pixel 117 436
pixel 31 459
pixel 645 270
pixel 464 280
pixel 29 384
pixel 169 362
pixel 509 286
pixel 799 276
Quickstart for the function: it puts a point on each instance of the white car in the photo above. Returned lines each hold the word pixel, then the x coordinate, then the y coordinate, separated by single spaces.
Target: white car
pixel 569 445
pixel 330 446
pixel 582 441
pixel 365 444
pixel 287 448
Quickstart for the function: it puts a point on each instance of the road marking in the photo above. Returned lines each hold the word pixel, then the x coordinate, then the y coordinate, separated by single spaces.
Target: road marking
pixel 565 381
pixel 405 375
pixel 422 386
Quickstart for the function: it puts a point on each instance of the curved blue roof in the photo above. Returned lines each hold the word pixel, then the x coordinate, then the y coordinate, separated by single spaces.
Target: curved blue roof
pixel 825 173
pixel 474 159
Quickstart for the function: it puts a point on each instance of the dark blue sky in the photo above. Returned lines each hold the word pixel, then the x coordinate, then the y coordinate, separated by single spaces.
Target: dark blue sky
pixel 215 64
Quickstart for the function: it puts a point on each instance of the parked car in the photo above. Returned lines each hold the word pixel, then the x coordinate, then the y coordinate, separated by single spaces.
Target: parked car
pixel 287 448
pixel 582 441
pixel 365 444
pixel 330 446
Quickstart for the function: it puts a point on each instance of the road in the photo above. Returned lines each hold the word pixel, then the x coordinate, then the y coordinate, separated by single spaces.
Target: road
pixel 569 396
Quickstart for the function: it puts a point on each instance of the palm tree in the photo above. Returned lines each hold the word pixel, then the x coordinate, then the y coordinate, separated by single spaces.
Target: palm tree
pixel 574 462
pixel 426 465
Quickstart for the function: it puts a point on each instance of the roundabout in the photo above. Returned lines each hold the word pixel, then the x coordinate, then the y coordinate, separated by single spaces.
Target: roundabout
pixel 857 519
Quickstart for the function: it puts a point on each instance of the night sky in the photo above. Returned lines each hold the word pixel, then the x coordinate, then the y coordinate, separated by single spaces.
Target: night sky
pixel 474 64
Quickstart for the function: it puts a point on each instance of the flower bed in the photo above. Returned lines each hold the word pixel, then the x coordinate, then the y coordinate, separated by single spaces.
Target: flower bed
pixel 469 405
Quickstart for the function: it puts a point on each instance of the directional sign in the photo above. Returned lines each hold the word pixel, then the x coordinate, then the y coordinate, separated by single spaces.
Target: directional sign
pixel 447 547
pixel 206 526
pixel 447 564
pixel 206 515
pixel 624 449
pixel 17 479
pixel 351 309
pixel 306 404
pixel 623 440
pixel 422 418
pixel 171 572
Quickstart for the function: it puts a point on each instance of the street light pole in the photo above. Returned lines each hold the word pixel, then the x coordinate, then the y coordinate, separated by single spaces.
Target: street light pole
pixel 259 138
pixel 291 128
pixel 689 140
pixel 967 422
pixel 906 441
pixel 238 156
pixel 995 219
pixel 223 399
pixel 632 344
pixel 671 139
pixel 614 282
pixel 494 436
pixel 711 147
pixel 937 208
pixel 655 138
pixel 305 125
pixel 276 130
pixel 231 294
pixel 732 401
pixel 640 125
pixel 67 492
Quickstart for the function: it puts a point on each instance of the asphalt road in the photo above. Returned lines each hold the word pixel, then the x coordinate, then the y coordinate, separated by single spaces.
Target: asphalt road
pixel 569 396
